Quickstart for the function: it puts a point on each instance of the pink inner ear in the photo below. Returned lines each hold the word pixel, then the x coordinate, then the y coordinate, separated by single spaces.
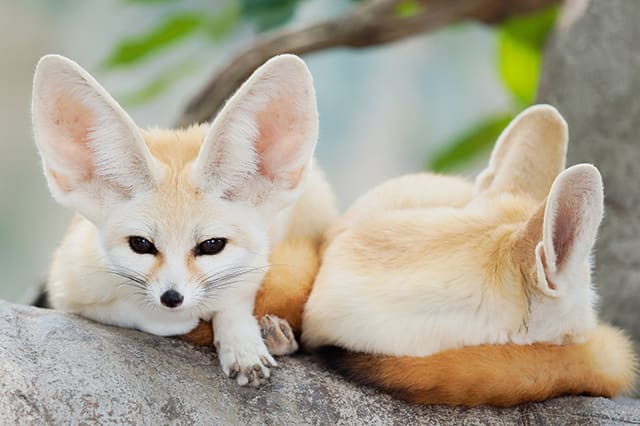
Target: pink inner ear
pixel 70 127
pixel 282 129
pixel 567 224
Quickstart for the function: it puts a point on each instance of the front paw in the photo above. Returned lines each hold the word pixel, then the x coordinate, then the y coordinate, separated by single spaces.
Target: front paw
pixel 246 362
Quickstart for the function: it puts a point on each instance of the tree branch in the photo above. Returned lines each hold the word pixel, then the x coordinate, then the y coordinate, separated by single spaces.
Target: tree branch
pixel 370 23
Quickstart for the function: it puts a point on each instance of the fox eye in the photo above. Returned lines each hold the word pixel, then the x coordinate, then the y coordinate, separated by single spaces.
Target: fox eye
pixel 210 246
pixel 141 245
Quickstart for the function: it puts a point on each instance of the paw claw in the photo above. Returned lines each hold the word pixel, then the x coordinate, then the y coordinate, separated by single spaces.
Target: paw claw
pixel 247 363
pixel 235 369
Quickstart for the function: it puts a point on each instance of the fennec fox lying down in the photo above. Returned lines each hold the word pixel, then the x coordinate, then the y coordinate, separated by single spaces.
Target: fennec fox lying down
pixel 424 265
pixel 174 226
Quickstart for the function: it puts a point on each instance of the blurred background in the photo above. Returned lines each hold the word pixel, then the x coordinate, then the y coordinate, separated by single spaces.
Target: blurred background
pixel 430 102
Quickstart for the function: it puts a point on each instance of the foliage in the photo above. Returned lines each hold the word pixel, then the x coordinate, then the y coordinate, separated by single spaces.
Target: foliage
pixel 470 144
pixel 407 8
pixel 177 24
pixel 519 44
pixel 158 85
pixel 134 49
pixel 520 41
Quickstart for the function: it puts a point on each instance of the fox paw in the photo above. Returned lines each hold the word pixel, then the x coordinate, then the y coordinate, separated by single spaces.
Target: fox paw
pixel 247 362
pixel 277 335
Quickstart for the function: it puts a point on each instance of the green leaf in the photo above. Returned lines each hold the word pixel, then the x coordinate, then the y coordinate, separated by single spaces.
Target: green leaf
pixel 533 28
pixel 268 14
pixel 519 65
pixel 407 8
pixel 469 145
pixel 520 43
pixel 158 85
pixel 223 22
pixel 133 49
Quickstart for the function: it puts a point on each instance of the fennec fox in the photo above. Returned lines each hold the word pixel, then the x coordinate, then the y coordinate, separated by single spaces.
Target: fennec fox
pixel 173 226
pixel 440 290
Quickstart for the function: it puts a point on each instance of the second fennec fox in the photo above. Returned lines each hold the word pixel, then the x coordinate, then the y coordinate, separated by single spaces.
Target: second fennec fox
pixel 425 265
pixel 177 225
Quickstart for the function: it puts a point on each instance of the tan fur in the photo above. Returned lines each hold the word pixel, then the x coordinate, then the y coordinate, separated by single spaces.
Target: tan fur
pixel 504 375
pixel 400 193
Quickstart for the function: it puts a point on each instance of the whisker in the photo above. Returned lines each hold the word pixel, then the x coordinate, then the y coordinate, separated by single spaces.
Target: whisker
pixel 135 277
pixel 228 274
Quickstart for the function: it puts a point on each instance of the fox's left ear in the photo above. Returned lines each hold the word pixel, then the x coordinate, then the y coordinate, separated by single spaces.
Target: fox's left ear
pixel 572 215
pixel 259 147
pixel 93 153
pixel 528 155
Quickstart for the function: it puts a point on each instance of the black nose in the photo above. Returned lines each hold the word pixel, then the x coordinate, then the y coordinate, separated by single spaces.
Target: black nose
pixel 171 299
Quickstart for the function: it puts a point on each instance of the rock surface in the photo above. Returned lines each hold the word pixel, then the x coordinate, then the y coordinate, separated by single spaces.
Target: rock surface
pixel 57 368
pixel 591 73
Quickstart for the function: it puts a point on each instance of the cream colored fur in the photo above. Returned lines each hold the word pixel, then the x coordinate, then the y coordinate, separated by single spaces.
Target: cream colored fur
pixel 426 263
pixel 248 177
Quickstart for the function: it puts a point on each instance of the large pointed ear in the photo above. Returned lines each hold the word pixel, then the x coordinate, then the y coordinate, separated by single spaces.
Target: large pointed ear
pixel 259 147
pixel 93 154
pixel 572 215
pixel 529 154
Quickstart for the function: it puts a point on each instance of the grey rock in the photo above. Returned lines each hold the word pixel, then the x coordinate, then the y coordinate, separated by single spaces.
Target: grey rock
pixel 591 73
pixel 57 368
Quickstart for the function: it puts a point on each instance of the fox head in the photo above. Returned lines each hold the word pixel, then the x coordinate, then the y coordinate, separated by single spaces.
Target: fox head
pixel 184 216
pixel 555 216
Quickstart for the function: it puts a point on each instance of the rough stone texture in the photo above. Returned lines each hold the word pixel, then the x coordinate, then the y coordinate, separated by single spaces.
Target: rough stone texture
pixel 592 75
pixel 57 368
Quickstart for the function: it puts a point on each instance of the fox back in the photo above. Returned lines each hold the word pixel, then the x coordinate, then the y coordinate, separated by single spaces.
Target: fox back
pixel 426 263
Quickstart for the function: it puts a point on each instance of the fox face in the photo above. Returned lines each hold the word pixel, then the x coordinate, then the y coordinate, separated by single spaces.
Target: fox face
pixel 174 225
pixel 183 250
pixel 435 263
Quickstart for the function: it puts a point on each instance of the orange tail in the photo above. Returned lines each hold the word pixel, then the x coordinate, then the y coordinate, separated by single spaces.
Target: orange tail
pixel 500 375
pixel 284 290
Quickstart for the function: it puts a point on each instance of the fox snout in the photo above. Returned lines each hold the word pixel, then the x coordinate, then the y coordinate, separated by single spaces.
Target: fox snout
pixel 171 298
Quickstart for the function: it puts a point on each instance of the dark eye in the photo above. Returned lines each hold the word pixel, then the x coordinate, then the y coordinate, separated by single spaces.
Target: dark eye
pixel 142 246
pixel 211 246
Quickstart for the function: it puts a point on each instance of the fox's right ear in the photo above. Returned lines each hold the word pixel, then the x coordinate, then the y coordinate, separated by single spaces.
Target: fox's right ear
pixel 93 154
pixel 572 215
pixel 528 155
pixel 259 147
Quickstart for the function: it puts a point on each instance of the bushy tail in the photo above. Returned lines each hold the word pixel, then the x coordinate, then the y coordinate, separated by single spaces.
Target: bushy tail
pixel 500 375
